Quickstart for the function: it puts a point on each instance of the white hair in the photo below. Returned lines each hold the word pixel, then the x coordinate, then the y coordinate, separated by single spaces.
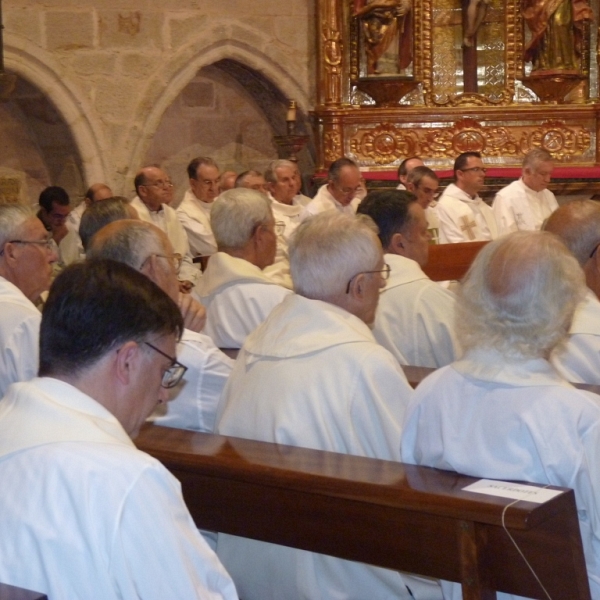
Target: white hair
pixel 235 214
pixel 519 296
pixel 131 245
pixel 12 216
pixel 271 172
pixel 327 250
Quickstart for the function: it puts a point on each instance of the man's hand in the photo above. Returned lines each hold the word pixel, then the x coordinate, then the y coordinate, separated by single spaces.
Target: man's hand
pixel 193 313
pixel 185 287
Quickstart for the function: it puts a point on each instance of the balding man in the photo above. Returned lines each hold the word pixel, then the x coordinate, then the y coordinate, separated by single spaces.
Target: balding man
pixel 252 180
pixel 341 392
pixel 577 223
pixel 147 249
pixel 341 192
pixel 237 294
pixel 283 188
pixel 463 215
pixel 154 194
pixel 415 317
pixel 502 411
pixel 95 193
pixel 83 513
pixel 27 253
pixel 525 204
pixel 227 181
pixel 194 210
pixel 405 168
pixel 100 214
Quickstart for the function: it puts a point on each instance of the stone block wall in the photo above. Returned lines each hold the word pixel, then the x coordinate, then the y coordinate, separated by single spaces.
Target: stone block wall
pixel 116 70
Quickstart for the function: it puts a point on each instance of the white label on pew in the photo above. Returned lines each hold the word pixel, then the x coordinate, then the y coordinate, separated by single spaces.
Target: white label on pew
pixel 516 491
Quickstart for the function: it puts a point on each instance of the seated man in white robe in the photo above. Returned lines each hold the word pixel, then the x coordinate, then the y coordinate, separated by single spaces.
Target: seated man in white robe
pixel 502 411
pixel 424 184
pixel 83 513
pixel 463 215
pixel 342 192
pixel 154 194
pixel 252 180
pixel 525 204
pixel 95 193
pixel 577 223
pixel 405 169
pixel 237 294
pixel 27 253
pixel 312 375
pixel 415 317
pixel 282 184
pixel 194 210
pixel 195 399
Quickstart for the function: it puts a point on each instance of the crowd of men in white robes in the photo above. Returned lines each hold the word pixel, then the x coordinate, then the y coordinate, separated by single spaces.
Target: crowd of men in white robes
pixel 326 298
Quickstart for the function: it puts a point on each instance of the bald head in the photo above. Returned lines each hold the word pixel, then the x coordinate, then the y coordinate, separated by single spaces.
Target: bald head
pixel 97 192
pixel 519 296
pixel 142 246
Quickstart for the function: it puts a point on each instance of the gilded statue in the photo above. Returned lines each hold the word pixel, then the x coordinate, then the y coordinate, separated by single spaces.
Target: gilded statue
pixel 382 23
pixel 557 29
pixel 476 12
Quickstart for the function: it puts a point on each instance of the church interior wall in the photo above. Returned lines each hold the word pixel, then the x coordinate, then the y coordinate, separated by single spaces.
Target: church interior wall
pixel 118 75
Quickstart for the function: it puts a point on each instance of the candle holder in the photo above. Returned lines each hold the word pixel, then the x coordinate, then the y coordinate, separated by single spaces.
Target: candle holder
pixel 290 144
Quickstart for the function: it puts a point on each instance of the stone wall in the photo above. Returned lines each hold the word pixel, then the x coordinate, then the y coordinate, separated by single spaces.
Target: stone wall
pixel 116 72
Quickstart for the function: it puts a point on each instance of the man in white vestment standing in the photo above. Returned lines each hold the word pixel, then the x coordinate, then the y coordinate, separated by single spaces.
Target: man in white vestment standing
pixel 502 411
pixel 237 294
pixel 195 399
pixel 462 214
pixel 194 210
pixel 415 317
pixel 577 223
pixel 424 184
pixel 525 204
pixel 154 191
pixel 312 375
pixel 282 184
pixel 341 192
pixel 83 513
pixel 27 253
pixel 405 168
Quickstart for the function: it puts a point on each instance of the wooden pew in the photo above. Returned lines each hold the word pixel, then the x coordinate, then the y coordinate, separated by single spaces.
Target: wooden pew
pixel 384 513
pixel 451 261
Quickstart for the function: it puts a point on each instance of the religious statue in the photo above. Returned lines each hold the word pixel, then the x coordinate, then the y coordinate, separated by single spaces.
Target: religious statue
pixel 476 12
pixel 382 22
pixel 557 28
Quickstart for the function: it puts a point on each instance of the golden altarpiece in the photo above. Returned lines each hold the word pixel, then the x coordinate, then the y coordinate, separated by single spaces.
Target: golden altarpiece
pixel 435 78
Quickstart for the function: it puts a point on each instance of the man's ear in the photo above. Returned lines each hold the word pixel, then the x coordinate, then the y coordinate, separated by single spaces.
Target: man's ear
pixel 357 287
pixel 396 245
pixel 127 359
pixel 148 267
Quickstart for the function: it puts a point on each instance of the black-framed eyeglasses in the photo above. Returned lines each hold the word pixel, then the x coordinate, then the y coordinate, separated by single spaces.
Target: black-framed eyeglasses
pixel 475 170
pixel 172 376
pixel 175 259
pixel 49 243
pixel 385 275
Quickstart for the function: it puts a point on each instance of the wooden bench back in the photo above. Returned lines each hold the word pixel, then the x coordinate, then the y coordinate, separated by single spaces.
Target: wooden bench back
pixel 384 513
pixel 451 261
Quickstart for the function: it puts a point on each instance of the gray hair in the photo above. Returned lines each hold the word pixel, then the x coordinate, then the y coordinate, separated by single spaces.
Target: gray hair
pixel 271 172
pixel 519 296
pixel 12 216
pixel 536 156
pixel 235 214
pixel 327 250
pixel 99 214
pixel 577 223
pixel 242 177
pixel 131 245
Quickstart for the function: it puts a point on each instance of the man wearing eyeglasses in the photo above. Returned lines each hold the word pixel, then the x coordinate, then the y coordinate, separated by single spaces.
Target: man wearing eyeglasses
pixel 525 204
pixel 83 513
pixel 147 249
pixel 462 214
pixel 154 191
pixel 194 210
pixel 27 254
pixel 312 375
pixel 342 192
